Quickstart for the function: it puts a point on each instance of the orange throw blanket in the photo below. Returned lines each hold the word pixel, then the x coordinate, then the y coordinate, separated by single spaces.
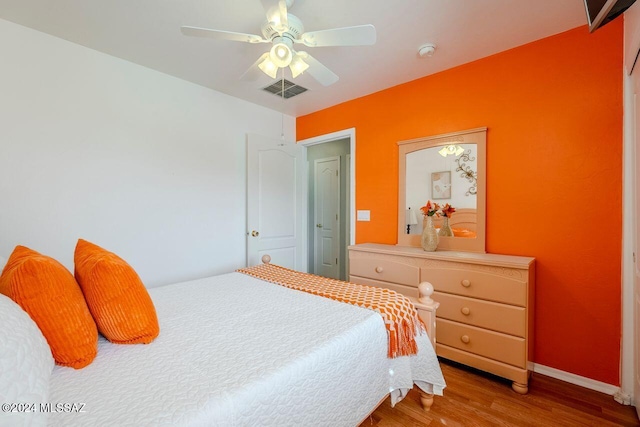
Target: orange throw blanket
pixel 400 316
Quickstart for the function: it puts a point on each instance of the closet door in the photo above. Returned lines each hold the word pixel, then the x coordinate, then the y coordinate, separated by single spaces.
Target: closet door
pixel 327 217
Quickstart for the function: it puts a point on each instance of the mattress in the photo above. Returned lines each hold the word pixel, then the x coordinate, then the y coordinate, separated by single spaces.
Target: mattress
pixel 237 351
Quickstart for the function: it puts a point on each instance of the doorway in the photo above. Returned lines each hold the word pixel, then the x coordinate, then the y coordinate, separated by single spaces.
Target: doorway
pixel 338 145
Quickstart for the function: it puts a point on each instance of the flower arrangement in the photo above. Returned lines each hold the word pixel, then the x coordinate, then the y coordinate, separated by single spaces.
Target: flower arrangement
pixel 447 210
pixel 430 209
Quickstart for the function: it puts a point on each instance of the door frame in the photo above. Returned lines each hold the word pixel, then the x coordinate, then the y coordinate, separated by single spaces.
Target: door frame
pixel 629 229
pixel 348 223
pixel 334 136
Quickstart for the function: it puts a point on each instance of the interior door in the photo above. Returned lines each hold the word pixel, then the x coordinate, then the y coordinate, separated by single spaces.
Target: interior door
pixel 276 208
pixel 327 217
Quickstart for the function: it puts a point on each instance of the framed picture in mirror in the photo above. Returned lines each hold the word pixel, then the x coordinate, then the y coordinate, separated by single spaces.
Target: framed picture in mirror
pixel 441 185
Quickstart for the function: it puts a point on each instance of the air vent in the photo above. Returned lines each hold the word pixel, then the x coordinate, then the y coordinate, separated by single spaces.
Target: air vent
pixel 290 89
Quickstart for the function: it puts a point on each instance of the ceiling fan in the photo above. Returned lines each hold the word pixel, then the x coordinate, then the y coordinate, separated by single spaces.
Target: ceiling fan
pixel 282 30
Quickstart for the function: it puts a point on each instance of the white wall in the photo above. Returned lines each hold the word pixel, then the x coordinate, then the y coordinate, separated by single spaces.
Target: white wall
pixel 141 163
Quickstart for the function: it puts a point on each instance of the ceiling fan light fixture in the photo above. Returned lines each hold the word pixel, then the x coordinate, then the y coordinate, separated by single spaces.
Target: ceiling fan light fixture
pixel 281 54
pixel 297 66
pixel 268 67
pixel 451 150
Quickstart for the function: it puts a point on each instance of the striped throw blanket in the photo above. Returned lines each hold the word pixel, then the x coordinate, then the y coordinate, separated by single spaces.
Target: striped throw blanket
pixel 400 316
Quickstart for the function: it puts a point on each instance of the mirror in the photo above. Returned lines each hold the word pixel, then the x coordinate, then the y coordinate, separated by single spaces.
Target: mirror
pixel 446 169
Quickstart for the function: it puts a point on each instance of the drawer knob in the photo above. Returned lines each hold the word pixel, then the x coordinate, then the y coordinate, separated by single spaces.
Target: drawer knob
pixel 466 283
pixel 465 339
pixel 379 269
pixel 465 311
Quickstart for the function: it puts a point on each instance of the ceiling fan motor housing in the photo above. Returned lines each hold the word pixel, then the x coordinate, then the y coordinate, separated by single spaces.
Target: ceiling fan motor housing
pixel 294 29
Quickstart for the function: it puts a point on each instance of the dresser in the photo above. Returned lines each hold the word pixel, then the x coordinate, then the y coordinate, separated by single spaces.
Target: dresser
pixel 485 317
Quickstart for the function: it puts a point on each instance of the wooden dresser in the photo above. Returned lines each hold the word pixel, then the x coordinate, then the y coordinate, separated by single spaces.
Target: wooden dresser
pixel 485 318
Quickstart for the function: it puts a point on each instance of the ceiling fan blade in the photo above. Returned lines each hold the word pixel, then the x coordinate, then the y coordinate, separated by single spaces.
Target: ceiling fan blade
pixel 360 35
pixel 322 74
pixel 254 72
pixel 221 35
pixel 276 14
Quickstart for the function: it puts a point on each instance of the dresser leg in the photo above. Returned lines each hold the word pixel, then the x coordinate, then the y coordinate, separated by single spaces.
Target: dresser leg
pixel 520 388
pixel 426 399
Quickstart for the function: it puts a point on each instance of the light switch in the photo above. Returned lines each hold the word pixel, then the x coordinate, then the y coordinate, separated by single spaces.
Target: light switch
pixel 364 215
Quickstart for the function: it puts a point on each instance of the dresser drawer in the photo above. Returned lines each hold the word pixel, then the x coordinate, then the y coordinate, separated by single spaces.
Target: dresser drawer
pixel 477 284
pixel 494 345
pixel 499 317
pixel 385 270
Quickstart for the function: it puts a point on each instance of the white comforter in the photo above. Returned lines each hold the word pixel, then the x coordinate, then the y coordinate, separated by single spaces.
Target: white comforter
pixel 238 351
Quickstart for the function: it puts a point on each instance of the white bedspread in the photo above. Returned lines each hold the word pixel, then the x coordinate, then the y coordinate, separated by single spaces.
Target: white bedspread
pixel 237 351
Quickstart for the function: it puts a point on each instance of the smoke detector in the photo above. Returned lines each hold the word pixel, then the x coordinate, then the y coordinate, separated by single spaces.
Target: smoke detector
pixel 426 50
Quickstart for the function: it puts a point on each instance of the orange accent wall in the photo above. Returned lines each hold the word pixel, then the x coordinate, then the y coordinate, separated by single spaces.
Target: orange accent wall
pixel 553 109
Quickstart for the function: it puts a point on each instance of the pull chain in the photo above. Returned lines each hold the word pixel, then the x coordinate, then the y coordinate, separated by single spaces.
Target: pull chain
pixel 282 119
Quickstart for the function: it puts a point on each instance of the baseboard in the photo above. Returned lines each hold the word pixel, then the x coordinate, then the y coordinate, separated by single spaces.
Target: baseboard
pixel 576 379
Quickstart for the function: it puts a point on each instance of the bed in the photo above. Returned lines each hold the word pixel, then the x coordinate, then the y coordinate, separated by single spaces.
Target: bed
pixel 238 351
pixel 462 222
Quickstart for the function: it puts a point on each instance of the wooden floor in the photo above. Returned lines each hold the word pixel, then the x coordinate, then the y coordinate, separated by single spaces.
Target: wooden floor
pixel 473 398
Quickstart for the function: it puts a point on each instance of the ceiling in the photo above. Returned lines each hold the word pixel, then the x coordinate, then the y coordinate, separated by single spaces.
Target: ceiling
pixel 147 32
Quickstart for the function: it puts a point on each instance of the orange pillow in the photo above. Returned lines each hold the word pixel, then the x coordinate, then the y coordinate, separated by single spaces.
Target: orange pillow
pixel 117 299
pixel 463 232
pixel 47 291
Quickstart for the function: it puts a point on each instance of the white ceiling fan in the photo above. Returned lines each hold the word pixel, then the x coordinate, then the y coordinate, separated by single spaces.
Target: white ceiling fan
pixel 282 30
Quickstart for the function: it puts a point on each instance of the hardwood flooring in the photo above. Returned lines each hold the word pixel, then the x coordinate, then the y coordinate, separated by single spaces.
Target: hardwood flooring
pixel 474 398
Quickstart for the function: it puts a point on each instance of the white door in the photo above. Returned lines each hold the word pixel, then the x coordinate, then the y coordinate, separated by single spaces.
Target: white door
pixel 327 217
pixel 276 207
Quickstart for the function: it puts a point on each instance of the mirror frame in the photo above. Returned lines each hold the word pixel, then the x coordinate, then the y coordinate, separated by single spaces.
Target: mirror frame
pixel 473 136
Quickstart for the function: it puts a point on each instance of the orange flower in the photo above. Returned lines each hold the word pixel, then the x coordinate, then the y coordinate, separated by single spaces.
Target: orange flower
pixel 447 210
pixel 430 209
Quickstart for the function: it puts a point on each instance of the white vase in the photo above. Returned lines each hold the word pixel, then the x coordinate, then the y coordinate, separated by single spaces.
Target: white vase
pixel 445 230
pixel 429 236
